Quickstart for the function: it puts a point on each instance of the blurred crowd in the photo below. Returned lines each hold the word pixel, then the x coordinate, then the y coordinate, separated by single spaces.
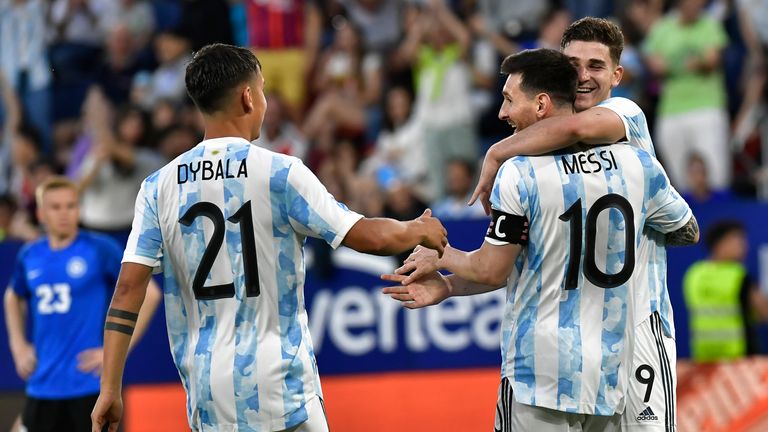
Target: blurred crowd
pixel 392 103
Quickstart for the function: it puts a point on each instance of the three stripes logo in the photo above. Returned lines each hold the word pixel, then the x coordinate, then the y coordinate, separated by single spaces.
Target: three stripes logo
pixel 647 415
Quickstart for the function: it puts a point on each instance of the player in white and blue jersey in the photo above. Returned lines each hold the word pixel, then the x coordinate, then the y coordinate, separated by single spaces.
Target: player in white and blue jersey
pixel 63 281
pixel 568 226
pixel 594 47
pixel 226 223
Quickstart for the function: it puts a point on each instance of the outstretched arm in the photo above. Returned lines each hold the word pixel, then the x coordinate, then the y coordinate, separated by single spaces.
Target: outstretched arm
pixel 383 236
pixel 432 289
pixel 488 265
pixel 594 126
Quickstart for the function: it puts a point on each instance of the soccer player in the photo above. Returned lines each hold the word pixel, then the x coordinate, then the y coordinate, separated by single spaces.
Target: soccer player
pixel 594 47
pixel 63 281
pixel 568 224
pixel 227 221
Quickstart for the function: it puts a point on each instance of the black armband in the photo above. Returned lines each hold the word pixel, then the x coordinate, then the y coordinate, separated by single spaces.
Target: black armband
pixel 117 313
pixel 508 228
pixel 118 327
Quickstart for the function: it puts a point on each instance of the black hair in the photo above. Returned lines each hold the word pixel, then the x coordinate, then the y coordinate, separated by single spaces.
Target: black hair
pixel 216 70
pixel 591 29
pixel 720 230
pixel 544 71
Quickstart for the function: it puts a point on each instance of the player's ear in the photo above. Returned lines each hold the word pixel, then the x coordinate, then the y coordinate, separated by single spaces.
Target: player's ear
pixel 617 75
pixel 543 105
pixel 246 98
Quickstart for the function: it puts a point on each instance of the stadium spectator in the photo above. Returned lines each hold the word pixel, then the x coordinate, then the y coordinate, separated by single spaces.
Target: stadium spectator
pixel 683 49
pixel 136 15
pixel 399 152
pixel 175 140
pixel 506 27
pixel 721 298
pixel 380 21
pixel 63 281
pixel 11 109
pixel 77 29
pixel 460 177
pixel 348 83
pixel 700 191
pixel 279 134
pixel 285 35
pixel 436 46
pixel 752 116
pixel 111 172
pixel 24 60
pixel 167 81
pixel 120 63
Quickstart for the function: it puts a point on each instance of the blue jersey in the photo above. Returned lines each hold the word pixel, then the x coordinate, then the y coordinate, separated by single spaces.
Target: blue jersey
pixel 568 324
pixel 227 221
pixel 68 291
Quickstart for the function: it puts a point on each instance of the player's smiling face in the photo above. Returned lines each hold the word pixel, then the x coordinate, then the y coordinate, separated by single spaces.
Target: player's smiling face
pixel 60 212
pixel 518 108
pixel 598 73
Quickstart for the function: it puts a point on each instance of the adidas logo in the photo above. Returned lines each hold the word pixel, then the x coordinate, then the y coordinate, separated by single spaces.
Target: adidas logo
pixel 647 415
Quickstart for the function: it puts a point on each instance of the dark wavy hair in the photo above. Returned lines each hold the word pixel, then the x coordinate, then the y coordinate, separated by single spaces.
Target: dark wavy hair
pixel 215 71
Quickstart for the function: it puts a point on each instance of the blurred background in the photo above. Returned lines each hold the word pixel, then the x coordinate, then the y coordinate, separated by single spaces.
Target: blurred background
pixel 392 103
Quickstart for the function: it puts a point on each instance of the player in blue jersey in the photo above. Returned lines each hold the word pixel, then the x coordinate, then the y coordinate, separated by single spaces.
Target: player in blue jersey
pixel 594 46
pixel 569 324
pixel 226 222
pixel 63 281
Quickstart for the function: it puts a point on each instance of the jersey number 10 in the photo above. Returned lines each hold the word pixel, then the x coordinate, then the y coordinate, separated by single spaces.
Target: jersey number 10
pixel 244 218
pixel 592 273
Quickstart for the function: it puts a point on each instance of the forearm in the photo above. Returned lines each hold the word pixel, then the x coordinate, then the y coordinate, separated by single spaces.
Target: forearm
pixel 454 26
pixel 687 235
pixel 462 287
pixel 541 137
pixel 124 155
pixel 468 266
pixel 118 329
pixel 15 318
pixel 394 237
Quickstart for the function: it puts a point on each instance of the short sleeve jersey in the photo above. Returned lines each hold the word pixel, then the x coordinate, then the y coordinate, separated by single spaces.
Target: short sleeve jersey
pixel 226 221
pixel 67 291
pixel 569 320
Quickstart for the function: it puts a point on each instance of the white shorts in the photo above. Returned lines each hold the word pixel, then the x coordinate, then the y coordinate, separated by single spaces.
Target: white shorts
pixel 512 416
pixel 651 399
pixel 316 419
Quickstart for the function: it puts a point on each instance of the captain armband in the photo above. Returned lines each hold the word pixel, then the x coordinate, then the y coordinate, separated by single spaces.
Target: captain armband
pixel 508 228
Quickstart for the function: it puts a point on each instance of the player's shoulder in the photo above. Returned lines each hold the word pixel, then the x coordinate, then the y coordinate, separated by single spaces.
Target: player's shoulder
pixel 32 247
pixel 621 105
pixel 98 240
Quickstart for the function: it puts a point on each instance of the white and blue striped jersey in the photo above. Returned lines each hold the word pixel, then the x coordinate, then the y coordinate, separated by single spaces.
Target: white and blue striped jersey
pixel 226 221
pixel 568 329
pixel 654 251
